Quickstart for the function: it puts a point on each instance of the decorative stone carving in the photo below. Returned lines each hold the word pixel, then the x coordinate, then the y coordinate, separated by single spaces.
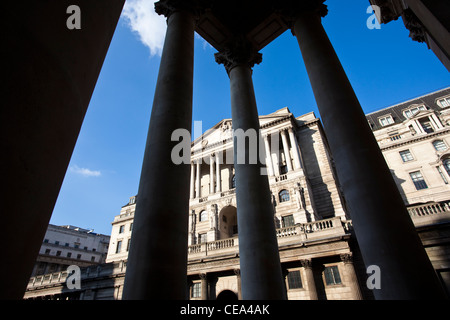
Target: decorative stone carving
pixel 290 10
pixel 167 7
pixel 416 29
pixel 239 51
pixel 213 217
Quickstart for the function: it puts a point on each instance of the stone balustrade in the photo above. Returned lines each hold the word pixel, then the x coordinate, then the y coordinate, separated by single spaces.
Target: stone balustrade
pixel 430 213
pixel 300 233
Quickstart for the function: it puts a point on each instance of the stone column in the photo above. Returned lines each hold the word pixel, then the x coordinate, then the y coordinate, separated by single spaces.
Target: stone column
pixel 218 177
pixel 192 188
pixel 204 285
pixel 307 264
pixel 157 261
pixel 211 173
pixel 371 194
pixel 269 164
pixel 351 273
pixel 237 272
pixel 295 149
pixel 287 154
pixel 49 73
pixel 258 248
pixel 197 181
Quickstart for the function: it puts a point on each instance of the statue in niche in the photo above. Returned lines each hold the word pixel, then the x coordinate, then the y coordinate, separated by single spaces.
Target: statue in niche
pixel 213 216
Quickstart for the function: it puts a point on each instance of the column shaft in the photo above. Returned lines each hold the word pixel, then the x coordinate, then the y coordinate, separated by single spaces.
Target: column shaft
pixel 197 181
pixel 157 261
pixel 218 178
pixel 192 187
pixel 384 230
pixel 258 248
pixel 287 155
pixel 295 149
pixel 269 164
pixel 310 279
pixel 211 174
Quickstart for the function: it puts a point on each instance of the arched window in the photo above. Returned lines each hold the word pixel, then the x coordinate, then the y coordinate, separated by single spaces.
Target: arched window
pixel 203 216
pixel 439 145
pixel 283 195
pixel 446 164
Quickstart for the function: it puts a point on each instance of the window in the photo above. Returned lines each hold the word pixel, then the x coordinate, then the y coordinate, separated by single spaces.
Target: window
pixel 445 102
pixel 233 182
pixel 439 145
pixel 442 175
pixel 411 112
pixel 283 169
pixel 294 280
pixel 131 226
pixel 196 290
pixel 203 216
pixel 418 180
pixel 426 125
pixel 406 155
pixel 121 228
pixel 92 258
pixel 79 256
pixel 119 246
pixel 288 221
pixel 202 238
pixel 45 240
pixel 57 243
pixel 47 251
pixel 283 196
pixel 446 164
pixel 332 276
pixel 69 254
pixel 386 120
pixel 58 253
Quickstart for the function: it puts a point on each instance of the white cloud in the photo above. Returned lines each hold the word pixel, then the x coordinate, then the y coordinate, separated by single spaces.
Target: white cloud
pixel 84 171
pixel 150 27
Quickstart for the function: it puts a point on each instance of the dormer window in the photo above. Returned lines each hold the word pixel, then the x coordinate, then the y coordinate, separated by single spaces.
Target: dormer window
pixel 386 120
pixel 444 102
pixel 412 111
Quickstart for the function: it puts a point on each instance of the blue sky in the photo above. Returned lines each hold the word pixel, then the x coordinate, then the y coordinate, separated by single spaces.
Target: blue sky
pixel 384 66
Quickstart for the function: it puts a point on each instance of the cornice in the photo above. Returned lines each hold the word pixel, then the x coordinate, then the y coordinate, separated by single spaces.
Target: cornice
pixel 427 136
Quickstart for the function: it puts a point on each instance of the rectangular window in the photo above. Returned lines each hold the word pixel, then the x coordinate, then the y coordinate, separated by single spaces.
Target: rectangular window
pixel 426 125
pixel 445 102
pixel 294 280
pixel 288 221
pixel 406 155
pixel 196 290
pixel 418 180
pixel 442 175
pixel 58 253
pixel 119 246
pixel 69 254
pixel 121 228
pixel 332 275
pixel 79 256
pixel 387 120
pixel 202 238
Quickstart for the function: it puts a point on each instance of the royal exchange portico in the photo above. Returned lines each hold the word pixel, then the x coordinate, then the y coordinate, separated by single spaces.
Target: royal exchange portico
pixel 238 31
pixel 68 65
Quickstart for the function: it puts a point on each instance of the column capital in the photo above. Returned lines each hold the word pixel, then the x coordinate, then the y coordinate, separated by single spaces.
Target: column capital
pixel 203 276
pixel 291 10
pixel 167 7
pixel 346 257
pixel 239 52
pixel 306 263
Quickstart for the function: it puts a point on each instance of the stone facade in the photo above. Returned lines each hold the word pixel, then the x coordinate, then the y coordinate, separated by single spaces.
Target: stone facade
pixel 318 250
pixel 69 245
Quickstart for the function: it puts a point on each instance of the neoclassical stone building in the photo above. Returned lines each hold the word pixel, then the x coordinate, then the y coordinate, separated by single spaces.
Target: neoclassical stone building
pixel 318 250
